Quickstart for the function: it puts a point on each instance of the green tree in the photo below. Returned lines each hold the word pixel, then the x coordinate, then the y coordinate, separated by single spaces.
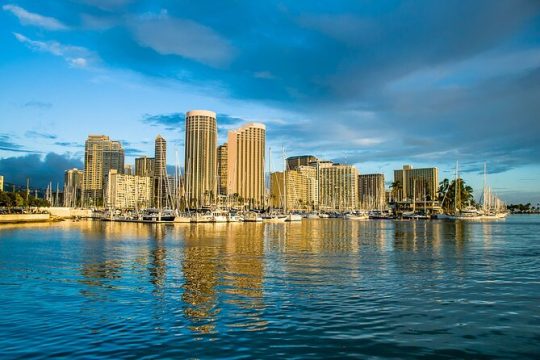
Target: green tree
pixel 396 189
pixel 5 200
pixel 447 194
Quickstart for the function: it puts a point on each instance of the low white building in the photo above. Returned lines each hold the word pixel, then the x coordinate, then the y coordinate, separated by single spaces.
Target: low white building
pixel 128 191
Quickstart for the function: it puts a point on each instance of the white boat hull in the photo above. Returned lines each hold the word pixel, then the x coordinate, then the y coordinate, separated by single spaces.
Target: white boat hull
pixel 294 217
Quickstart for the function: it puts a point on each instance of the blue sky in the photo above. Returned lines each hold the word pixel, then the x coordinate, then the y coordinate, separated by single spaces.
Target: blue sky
pixel 377 84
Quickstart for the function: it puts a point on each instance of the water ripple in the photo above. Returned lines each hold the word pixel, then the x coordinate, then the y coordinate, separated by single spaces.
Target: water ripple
pixel 327 288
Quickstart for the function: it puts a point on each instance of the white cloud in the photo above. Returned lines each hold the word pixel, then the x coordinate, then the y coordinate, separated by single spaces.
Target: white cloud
pixel 75 56
pixel 78 62
pixel 264 75
pixel 470 71
pixel 28 18
pixel 107 5
pixel 186 38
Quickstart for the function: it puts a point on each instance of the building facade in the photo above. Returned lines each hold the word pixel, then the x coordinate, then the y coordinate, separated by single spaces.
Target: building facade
pixel 128 191
pixel 338 187
pixel 246 159
pixel 416 184
pixel 73 183
pixel 128 169
pixel 371 193
pixel 161 185
pixel 100 155
pixel 298 194
pixel 222 156
pixel 312 185
pixel 144 166
pixel 294 162
pixel 1 183
pixel 201 158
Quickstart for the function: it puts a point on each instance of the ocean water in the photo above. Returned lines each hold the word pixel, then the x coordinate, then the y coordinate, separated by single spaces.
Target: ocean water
pixel 324 288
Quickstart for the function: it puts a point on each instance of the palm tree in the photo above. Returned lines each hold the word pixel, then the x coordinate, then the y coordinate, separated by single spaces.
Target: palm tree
pixel 447 194
pixel 396 188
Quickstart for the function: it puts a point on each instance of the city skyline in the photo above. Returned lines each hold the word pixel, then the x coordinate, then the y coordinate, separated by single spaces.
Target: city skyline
pixel 86 68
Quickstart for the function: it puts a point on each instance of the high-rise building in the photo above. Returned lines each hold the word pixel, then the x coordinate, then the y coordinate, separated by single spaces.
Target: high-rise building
pixel 73 182
pixel 128 191
pixel 128 169
pixel 422 184
pixel 160 174
pixel 245 168
pixel 144 166
pixel 201 157
pixel 317 165
pixel 222 156
pixel 371 193
pixel 294 162
pixel 338 187
pixel 300 190
pixel 100 155
pixel 312 183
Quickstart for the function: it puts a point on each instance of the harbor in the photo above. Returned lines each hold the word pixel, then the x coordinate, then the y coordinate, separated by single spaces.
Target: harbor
pixel 236 289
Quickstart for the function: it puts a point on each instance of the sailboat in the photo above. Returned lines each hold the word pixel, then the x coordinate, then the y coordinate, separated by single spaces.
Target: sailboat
pixel 493 208
pixel 466 213
pixel 273 216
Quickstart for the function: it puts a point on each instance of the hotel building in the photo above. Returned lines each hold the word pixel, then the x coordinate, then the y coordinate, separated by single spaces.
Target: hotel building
pixel 144 166
pixel 100 155
pixel 420 183
pixel 201 157
pixel 160 174
pixel 338 187
pixel 222 156
pixel 245 163
pixel 128 191
pixel 371 194
pixel 294 162
pixel 301 189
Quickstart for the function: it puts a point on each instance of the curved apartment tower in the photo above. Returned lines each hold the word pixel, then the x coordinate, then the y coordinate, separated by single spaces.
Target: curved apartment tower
pixel 201 158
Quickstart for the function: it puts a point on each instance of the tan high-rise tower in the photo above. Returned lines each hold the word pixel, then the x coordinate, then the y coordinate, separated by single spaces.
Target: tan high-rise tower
pixel 246 163
pixel 144 166
pixel 100 155
pixel 222 154
pixel 160 173
pixel 201 157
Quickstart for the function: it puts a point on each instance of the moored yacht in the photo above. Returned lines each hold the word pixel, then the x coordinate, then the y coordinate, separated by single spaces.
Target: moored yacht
pixel 252 217
pixel 356 216
pixel 294 217
pixel 201 217
pixel 274 218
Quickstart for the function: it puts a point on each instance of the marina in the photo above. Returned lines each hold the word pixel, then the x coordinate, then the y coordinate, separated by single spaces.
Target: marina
pixel 236 290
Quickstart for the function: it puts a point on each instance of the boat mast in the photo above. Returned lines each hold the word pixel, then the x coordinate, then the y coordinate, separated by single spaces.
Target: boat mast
pixel 484 199
pixel 269 177
pixel 284 181
pixel 414 195
pixel 456 192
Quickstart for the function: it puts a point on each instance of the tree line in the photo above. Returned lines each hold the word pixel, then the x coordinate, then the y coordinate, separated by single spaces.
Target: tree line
pixel 21 199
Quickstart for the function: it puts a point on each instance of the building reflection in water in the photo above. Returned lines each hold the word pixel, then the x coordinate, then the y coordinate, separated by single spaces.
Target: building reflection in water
pixel 424 240
pixel 201 266
pixel 319 236
pixel 224 269
pixel 100 266
pixel 244 275
pixel 312 247
pixel 158 255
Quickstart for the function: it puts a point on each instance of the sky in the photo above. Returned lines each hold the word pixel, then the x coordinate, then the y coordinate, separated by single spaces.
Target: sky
pixel 377 84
